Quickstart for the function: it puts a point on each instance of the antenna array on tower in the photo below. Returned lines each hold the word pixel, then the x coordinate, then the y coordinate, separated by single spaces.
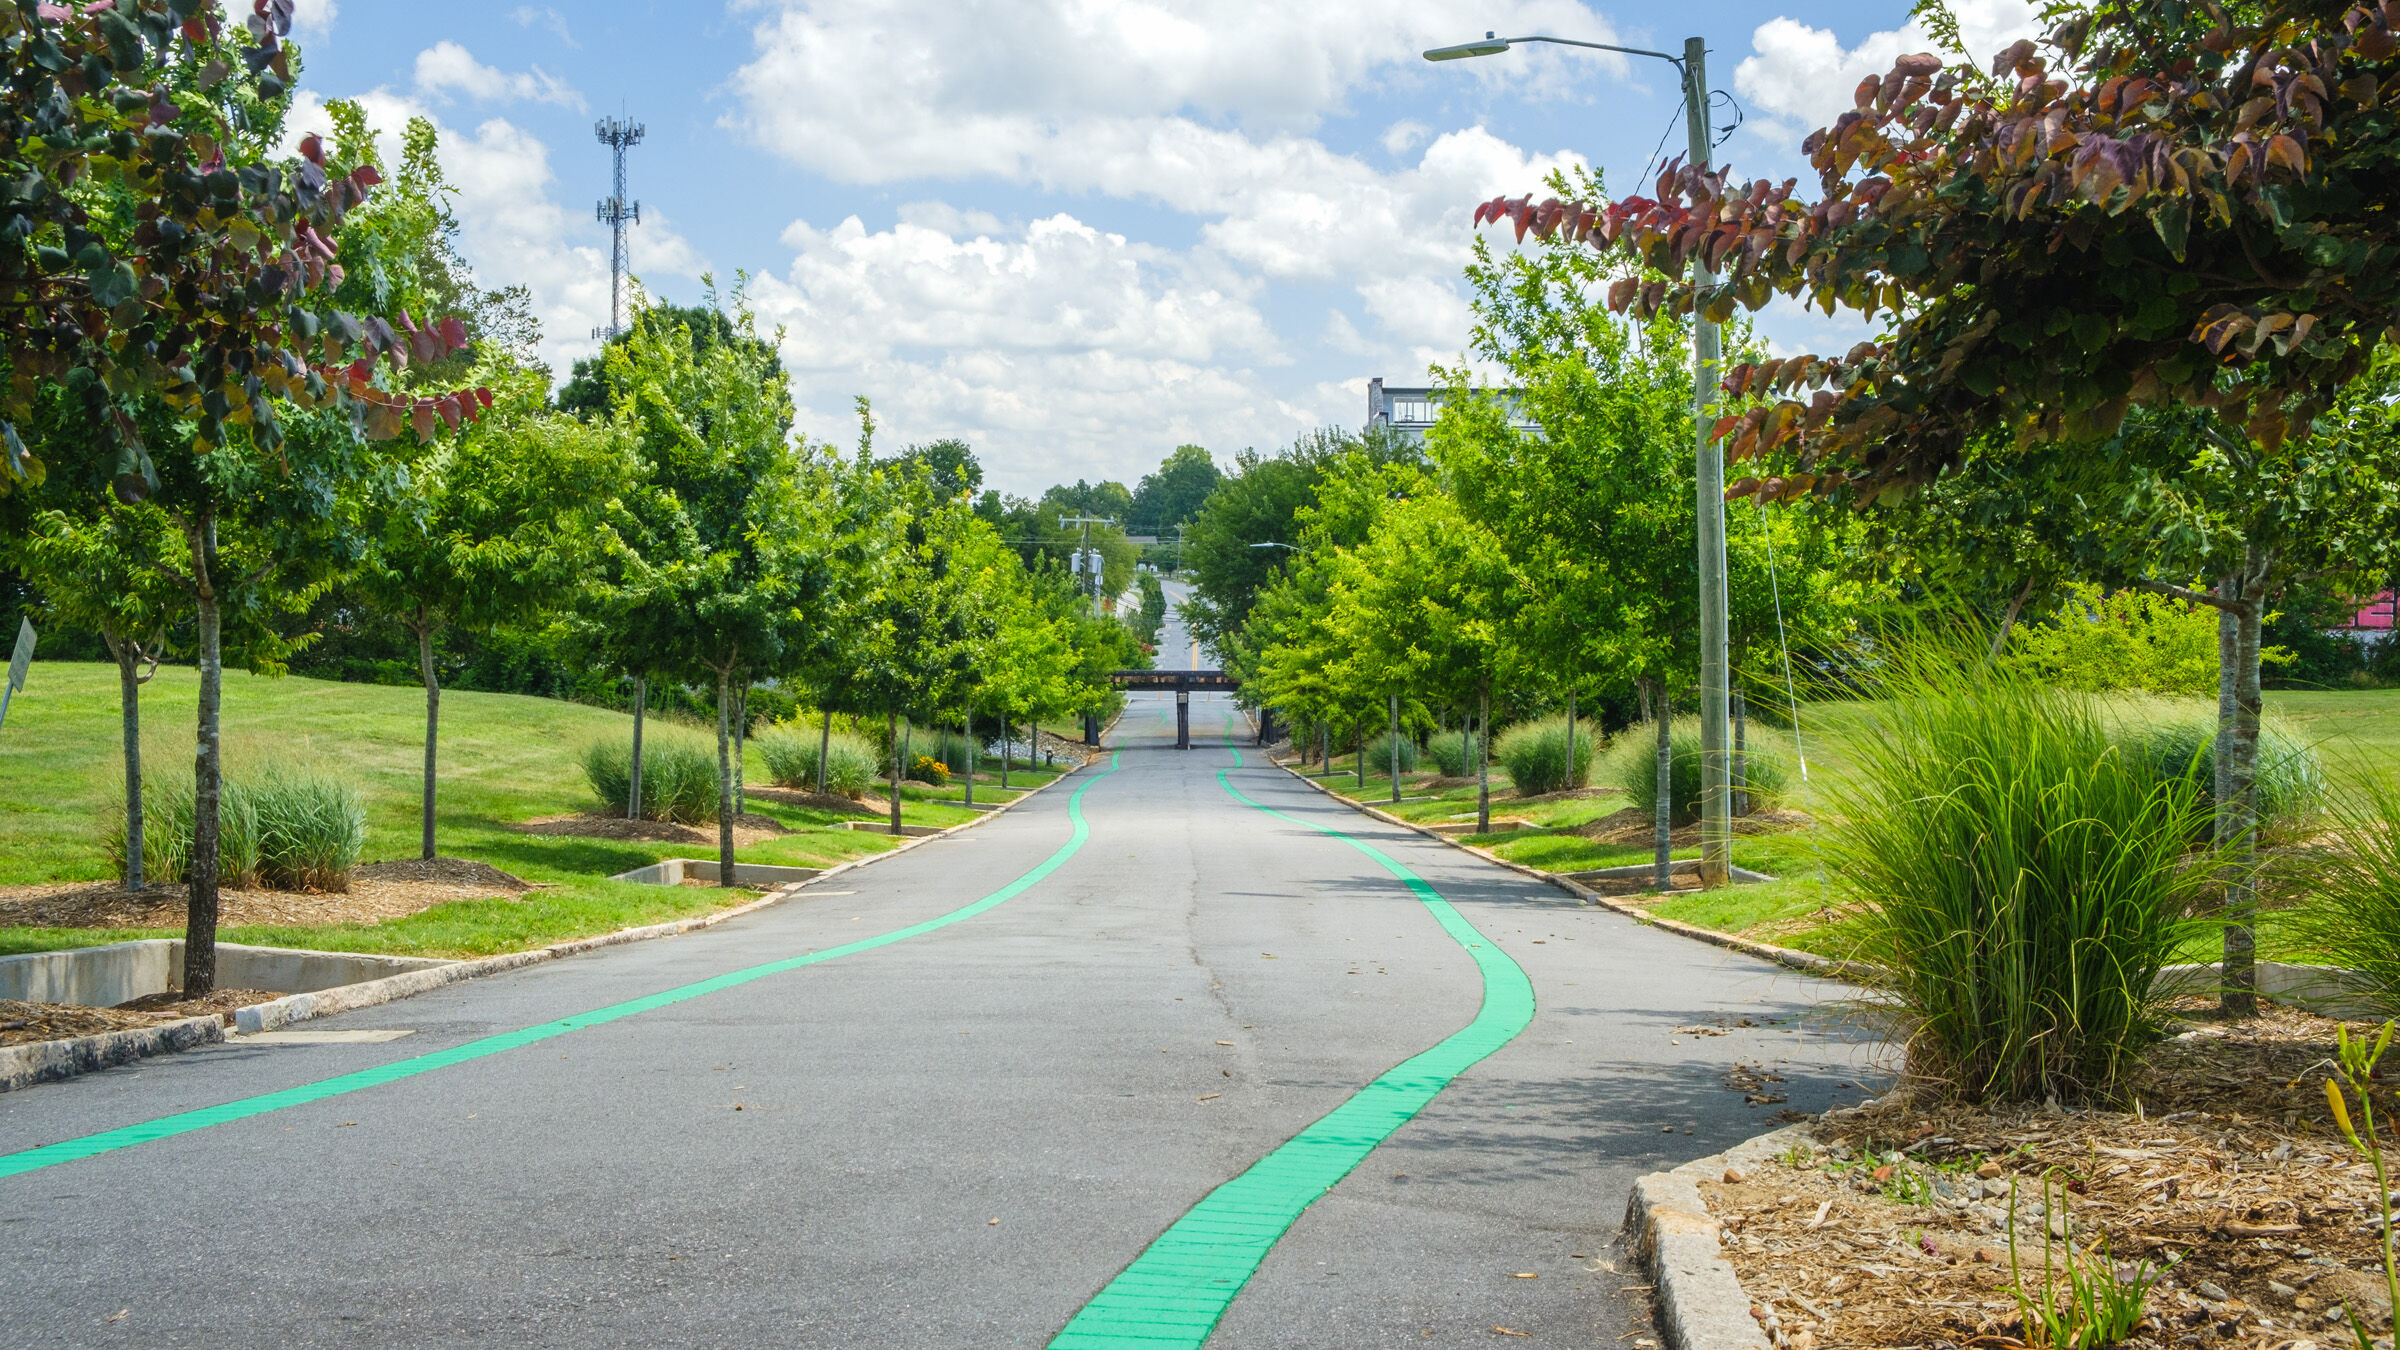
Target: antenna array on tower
pixel 615 212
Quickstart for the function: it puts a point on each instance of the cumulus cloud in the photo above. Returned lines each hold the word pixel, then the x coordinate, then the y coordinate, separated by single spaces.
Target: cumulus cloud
pixel 884 90
pixel 528 16
pixel 446 69
pixel 1802 78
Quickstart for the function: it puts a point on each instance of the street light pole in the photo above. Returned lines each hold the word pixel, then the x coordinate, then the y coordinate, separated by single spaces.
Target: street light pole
pixel 1708 464
pixel 1708 459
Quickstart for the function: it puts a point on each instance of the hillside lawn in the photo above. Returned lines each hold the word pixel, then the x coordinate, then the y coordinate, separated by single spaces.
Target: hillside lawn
pixel 2356 732
pixel 504 759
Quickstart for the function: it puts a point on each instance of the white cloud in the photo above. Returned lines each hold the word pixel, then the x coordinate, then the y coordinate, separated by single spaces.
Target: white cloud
pixel 1403 136
pixel 1802 78
pixel 446 68
pixel 511 230
pixel 885 90
pixel 527 16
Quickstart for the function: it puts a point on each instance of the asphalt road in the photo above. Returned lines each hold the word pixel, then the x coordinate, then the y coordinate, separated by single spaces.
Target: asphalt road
pixel 952 1140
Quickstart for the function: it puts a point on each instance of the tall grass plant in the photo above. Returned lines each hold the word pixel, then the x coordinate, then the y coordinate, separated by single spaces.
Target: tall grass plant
pixel 679 776
pixel 790 752
pixel 2018 875
pixel 1535 754
pixel 1455 753
pixel 2353 919
pixel 1632 764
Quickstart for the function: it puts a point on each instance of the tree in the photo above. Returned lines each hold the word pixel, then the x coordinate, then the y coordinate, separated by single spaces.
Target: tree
pixel 96 572
pixel 949 466
pixel 2190 214
pixel 727 553
pixel 1167 500
pixel 156 252
pixel 488 531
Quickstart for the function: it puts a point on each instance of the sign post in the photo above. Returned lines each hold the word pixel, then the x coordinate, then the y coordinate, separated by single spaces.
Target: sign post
pixel 17 665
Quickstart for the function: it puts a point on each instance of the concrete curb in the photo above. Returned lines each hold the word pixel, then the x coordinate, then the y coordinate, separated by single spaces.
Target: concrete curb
pixel 1700 1303
pixel 48 1061
pixel 1806 962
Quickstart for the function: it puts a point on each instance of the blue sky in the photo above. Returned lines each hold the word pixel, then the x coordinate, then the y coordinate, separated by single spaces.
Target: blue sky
pixel 1076 233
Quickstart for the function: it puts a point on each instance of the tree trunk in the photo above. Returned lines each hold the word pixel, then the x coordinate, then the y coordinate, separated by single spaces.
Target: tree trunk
pixel 129 711
pixel 891 735
pixel 200 922
pixel 1362 759
pixel 1741 754
pixel 1005 750
pixel 433 719
pixel 1574 779
pixel 726 810
pixel 641 707
pixel 1483 760
pixel 1395 747
pixel 741 734
pixel 2238 706
pixel 824 748
pixel 969 733
pixel 1663 817
pixel 908 746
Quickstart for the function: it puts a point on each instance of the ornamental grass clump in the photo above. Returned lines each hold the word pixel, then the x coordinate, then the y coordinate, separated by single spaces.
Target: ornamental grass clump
pixel 1535 754
pixel 2018 876
pixel 790 750
pixel 2354 917
pixel 311 827
pixel 1455 753
pixel 2291 779
pixel 1633 766
pixel 1379 754
pixel 167 818
pixel 679 777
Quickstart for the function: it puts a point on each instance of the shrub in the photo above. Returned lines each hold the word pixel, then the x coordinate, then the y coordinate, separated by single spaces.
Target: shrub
pixel 311 830
pixel 791 755
pixel 1535 754
pixel 1379 754
pixel 2018 875
pixel 2126 640
pixel 1633 766
pixel 167 818
pixel 927 769
pixel 679 776
pixel 2291 780
pixel 1454 752
pixel 2355 919
pixel 946 747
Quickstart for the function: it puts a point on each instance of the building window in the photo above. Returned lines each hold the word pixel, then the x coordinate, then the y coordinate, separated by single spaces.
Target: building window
pixel 1412 410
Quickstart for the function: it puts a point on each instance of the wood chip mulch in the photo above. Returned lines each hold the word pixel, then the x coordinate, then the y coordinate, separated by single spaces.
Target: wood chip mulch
pixel 815 801
pixel 27 1023
pixel 1893 1230
pixel 1635 826
pixel 747 829
pixel 378 891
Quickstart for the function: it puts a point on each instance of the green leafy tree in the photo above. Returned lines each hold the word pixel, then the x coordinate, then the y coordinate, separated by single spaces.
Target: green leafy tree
pixel 726 551
pixel 100 572
pixel 1167 500
pixel 487 532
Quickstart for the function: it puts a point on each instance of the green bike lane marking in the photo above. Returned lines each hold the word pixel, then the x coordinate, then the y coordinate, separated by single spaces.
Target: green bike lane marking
pixel 1175 1292
pixel 167 1127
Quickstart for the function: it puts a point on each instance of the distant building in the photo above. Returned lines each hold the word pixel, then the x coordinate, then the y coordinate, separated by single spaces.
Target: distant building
pixel 1411 411
pixel 2377 618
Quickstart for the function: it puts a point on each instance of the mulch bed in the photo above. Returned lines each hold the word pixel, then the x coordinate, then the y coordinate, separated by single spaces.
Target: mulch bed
pixel 378 891
pixel 747 829
pixel 2226 1170
pixel 813 801
pixel 1634 826
pixel 27 1023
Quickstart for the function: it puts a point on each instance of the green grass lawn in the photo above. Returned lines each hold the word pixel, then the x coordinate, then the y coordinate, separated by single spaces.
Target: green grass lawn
pixel 505 759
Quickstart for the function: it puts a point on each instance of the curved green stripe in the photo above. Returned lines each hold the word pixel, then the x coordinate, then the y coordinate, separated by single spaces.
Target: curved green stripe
pixel 166 1127
pixel 1176 1290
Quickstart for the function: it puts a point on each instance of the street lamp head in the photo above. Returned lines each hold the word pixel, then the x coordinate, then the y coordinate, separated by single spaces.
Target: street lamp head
pixel 1492 45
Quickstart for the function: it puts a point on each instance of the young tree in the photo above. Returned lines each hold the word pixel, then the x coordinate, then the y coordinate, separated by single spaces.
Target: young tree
pixel 97 572
pixel 727 552
pixel 487 532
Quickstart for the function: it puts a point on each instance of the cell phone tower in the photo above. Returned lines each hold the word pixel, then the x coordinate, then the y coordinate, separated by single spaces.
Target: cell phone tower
pixel 619 136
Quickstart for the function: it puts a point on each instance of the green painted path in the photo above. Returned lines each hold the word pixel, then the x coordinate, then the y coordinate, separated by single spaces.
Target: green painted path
pixel 1176 1290
pixel 167 1127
